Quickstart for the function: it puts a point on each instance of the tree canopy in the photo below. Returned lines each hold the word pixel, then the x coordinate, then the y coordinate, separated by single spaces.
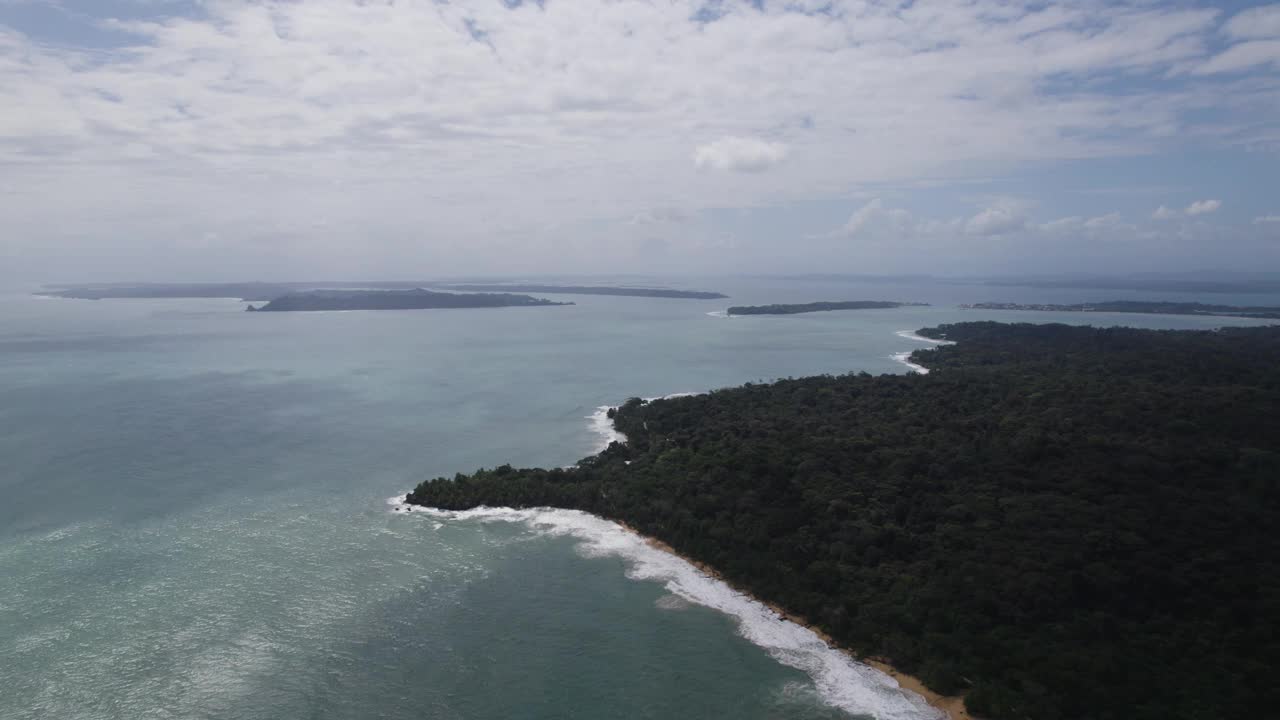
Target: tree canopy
pixel 1062 522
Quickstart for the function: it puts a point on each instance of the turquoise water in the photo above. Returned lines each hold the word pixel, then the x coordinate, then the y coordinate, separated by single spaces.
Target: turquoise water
pixel 195 523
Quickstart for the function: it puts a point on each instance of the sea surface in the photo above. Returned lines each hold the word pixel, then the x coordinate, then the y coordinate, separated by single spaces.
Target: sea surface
pixel 195 516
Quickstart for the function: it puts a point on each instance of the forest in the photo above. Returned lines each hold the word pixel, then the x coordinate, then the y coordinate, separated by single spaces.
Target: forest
pixel 1141 306
pixel 796 309
pixel 1062 523
pixel 417 299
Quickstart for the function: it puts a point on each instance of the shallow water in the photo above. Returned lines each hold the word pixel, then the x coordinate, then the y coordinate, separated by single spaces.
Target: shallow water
pixel 195 522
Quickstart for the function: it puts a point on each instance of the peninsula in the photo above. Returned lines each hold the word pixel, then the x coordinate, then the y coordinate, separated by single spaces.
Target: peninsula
pixel 1058 522
pixel 418 299
pixel 818 307
pixel 1139 306
pixel 591 290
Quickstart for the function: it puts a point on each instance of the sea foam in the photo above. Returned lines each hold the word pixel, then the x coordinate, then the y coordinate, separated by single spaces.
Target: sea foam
pixel 840 680
pixel 913 336
pixel 602 425
pixel 905 359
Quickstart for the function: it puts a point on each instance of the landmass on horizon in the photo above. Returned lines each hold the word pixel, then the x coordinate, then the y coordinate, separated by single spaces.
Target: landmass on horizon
pixel 1138 306
pixel 419 299
pixel 588 290
pixel 796 309
pixel 1060 522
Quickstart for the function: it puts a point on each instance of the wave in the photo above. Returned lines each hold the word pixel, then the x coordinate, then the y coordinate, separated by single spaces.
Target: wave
pixel 904 358
pixel 841 681
pixel 602 425
pixel 719 313
pixel 908 334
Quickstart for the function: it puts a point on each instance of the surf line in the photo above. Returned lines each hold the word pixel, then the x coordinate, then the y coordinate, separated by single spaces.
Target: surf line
pixel 841 681
pixel 905 357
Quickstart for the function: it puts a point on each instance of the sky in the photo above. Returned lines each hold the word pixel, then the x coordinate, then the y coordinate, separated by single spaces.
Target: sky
pixel 263 139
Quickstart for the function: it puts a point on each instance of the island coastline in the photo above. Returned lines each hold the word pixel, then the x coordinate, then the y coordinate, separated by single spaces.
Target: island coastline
pixel 951 705
pixel 912 690
pixel 752 480
pixel 825 306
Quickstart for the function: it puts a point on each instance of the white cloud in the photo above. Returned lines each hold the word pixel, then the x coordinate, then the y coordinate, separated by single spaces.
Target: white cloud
pixel 1266 219
pixel 739 154
pixel 1202 207
pixel 997 220
pixel 409 132
pixel 1258 22
pixel 860 217
pixel 1243 56
pixel 1198 207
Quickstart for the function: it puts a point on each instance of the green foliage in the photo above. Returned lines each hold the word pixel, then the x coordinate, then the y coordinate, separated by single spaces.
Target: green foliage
pixel 1069 522
pixel 815 307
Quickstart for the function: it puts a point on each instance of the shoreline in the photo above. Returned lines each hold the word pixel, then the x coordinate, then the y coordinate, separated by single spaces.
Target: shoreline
pixel 952 706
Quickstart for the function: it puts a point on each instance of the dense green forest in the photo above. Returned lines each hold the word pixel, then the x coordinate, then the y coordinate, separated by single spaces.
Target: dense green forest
pixel 589 290
pixel 418 299
pixel 1063 522
pixel 815 307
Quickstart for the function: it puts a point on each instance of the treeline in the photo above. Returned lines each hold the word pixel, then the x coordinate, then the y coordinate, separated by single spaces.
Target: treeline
pixel 418 299
pixel 1063 522
pixel 1141 306
pixel 590 290
pixel 815 307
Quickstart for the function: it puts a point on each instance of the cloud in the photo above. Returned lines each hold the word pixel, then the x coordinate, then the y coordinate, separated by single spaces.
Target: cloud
pixel 409 123
pixel 1266 219
pixel 1258 22
pixel 1243 56
pixel 1202 207
pixel 1199 207
pixel 995 221
pixel 860 217
pixel 739 154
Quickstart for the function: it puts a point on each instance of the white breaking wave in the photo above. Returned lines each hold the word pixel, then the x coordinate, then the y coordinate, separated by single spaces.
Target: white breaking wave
pixel 602 425
pixel 841 681
pixel 912 336
pixel 719 313
pixel 904 358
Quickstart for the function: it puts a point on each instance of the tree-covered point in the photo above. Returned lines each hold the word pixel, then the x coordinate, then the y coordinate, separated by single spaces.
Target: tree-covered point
pixel 796 309
pixel 1064 522
pixel 418 299
pixel 590 290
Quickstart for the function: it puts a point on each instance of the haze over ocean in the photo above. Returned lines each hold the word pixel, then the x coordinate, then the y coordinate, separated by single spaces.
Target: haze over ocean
pixel 195 517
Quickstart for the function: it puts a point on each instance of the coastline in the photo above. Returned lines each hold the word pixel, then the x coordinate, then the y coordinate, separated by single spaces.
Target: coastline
pixel 952 706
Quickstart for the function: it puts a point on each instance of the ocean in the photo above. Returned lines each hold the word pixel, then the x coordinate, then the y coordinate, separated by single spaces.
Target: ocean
pixel 197 518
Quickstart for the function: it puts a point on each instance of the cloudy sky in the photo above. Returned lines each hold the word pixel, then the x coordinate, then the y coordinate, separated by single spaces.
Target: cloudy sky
pixel 231 139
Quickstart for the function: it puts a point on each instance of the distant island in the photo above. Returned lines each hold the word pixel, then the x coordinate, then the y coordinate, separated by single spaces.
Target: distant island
pixel 1139 306
pixel 1153 282
pixel 1058 522
pixel 590 290
pixel 818 307
pixel 417 299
